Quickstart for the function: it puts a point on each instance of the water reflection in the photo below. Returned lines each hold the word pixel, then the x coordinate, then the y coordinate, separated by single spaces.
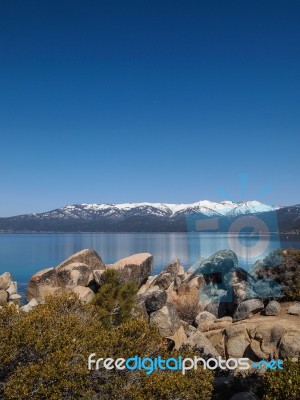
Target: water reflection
pixel 24 254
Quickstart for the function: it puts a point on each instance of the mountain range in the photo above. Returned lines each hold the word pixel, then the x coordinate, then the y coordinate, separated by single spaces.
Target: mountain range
pixel 148 217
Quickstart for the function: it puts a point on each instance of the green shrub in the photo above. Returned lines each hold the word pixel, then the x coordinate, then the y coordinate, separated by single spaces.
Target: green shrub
pixel 283 266
pixel 116 299
pixel 283 384
pixel 43 356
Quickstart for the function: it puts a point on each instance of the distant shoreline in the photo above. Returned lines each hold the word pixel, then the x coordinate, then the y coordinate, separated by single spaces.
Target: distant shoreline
pixel 283 236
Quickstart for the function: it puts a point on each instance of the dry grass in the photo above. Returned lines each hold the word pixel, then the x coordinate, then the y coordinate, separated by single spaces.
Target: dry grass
pixel 186 302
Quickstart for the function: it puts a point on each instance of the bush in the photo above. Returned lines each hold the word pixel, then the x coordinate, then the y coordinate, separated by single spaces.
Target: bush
pixel 283 266
pixel 283 384
pixel 187 304
pixel 116 299
pixel 43 356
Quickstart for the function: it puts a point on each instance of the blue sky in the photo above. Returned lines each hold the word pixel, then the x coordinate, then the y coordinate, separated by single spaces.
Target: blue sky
pixel 127 101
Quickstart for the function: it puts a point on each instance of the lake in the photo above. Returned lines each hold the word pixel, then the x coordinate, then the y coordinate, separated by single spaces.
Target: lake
pixel 24 254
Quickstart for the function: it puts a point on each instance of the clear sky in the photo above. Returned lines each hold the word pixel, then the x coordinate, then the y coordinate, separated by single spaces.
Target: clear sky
pixel 148 100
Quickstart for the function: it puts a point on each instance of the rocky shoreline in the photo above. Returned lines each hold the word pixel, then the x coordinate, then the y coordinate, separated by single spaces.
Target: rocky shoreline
pixel 215 307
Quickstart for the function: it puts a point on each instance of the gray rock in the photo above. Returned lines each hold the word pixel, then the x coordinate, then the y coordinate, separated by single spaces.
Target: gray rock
pixel 268 337
pixel 219 309
pixel 13 288
pixel 273 308
pixel 5 281
pixel 204 316
pixel 166 319
pixel 3 296
pixel 247 308
pixel 30 306
pixel 85 294
pixel 289 346
pixel 167 276
pixel 236 340
pixel 155 300
pixel 294 309
pixel 221 262
pixel 198 341
pixel 136 268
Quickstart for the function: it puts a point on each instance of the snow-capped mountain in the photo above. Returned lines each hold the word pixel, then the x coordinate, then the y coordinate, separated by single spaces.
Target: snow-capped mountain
pixel 133 217
pixel 119 211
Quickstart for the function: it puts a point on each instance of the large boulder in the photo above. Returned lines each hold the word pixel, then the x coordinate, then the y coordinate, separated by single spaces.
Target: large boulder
pixel 268 338
pixel 55 281
pixel 204 316
pixel 168 275
pixel 43 283
pixel 294 309
pixel 136 268
pixel 87 256
pixel 166 319
pixel 198 341
pixel 77 270
pixel 273 308
pixel 247 308
pixel 216 271
pixel 5 281
pixel 154 300
pixel 236 340
pixel 219 263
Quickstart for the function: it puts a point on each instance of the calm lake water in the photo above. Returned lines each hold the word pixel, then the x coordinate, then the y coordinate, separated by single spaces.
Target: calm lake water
pixel 24 254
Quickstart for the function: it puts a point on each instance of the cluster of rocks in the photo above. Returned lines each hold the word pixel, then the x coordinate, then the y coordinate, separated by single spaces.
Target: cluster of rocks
pixel 227 298
pixel 81 273
pixel 9 290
